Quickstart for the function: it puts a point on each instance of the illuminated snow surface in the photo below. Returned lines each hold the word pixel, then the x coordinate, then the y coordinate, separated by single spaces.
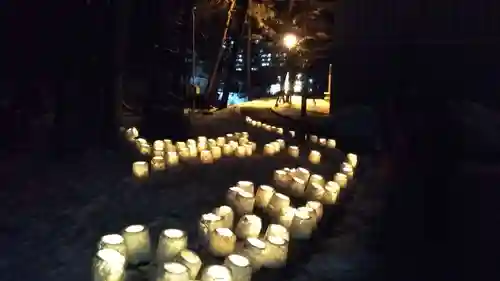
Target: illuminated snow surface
pixel 56 214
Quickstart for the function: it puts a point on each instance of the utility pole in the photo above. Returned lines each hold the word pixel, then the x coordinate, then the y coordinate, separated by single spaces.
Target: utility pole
pixel 330 80
pixel 193 58
pixel 249 49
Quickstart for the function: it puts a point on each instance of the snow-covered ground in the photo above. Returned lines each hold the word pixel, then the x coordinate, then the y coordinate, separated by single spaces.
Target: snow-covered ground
pixel 54 215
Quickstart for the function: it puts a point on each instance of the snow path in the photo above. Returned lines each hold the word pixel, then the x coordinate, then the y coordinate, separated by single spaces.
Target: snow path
pixel 54 220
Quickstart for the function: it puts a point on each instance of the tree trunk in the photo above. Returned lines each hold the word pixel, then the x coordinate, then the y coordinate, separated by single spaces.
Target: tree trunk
pixel 212 96
pixel 163 108
pixel 230 71
pixel 75 126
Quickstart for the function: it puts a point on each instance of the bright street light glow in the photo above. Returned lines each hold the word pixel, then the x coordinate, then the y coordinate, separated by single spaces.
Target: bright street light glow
pixel 290 40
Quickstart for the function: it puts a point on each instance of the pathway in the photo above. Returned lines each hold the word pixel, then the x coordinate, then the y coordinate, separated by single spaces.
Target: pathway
pixel 56 215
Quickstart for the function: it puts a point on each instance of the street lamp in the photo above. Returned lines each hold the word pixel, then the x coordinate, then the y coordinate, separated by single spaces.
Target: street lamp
pixel 290 40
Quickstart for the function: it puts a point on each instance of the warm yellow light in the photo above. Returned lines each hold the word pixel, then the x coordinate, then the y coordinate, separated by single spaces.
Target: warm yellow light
pixel 227 215
pixel 138 244
pixel 109 265
pixel 158 163
pixel 206 157
pixel 315 157
pixel 173 271
pixel 263 196
pixel 248 226
pixel 216 272
pixel 171 243
pixel 222 242
pixel 239 266
pixel 247 186
pixel 140 169
pixel 208 223
pixel 276 252
pixel 277 202
pixel 114 242
pixel 244 203
pixel 190 260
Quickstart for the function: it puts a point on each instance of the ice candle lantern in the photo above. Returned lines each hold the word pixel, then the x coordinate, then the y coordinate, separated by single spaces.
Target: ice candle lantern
pixel 263 196
pixel 277 146
pixel 278 202
pixel 158 163
pixel 216 273
pixel 314 138
pixel 315 191
pixel 222 242
pixel 131 134
pixel 332 190
pixel 239 266
pixel 216 152
pixel 220 141
pixel 145 149
pixel 341 179
pixel 191 261
pixel 277 230
pixel 171 243
pixel 173 271
pixel 286 216
pixel 248 226
pixel 331 143
pixel 347 169
pixel 243 203
pixel 109 265
pixel 314 157
pixel 159 145
pixel 114 242
pixel 293 151
pixel 231 195
pixel 172 158
pixel 317 207
pixel 297 186
pixel 352 159
pixel 140 169
pixel 209 223
pixel 247 186
pixel 276 252
pixel 255 249
pixel 206 157
pixel 269 149
pixel 138 244
pixel 281 179
pixel 227 150
pixel 282 143
pixel 315 178
pixel 302 225
pixel 226 214
pixel 184 153
pixel 240 152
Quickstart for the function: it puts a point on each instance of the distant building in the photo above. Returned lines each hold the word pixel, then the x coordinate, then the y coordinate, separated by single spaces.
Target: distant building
pixel 263 57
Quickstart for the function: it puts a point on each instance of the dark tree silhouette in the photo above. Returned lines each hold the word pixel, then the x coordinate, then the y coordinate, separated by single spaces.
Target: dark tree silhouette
pixel 163 115
pixel 89 53
pixel 238 31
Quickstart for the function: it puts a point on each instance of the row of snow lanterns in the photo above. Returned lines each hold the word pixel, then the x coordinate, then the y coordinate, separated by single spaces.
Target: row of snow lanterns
pixel 270 250
pixel 165 153
pixel 294 151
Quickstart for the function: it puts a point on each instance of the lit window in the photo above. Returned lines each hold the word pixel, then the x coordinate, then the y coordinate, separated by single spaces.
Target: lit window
pixel 254 68
pixel 238 69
